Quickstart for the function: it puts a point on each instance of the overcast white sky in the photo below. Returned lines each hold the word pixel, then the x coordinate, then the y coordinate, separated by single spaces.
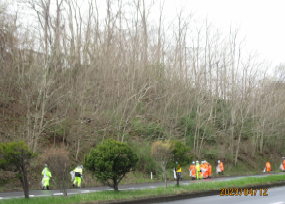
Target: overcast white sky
pixel 261 22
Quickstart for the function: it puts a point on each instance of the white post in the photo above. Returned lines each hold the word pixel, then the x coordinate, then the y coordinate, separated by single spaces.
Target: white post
pixel 150 175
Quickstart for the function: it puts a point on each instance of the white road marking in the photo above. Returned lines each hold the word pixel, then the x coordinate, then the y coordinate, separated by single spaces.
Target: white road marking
pixel 58 194
pixel 85 191
pixel 278 202
pixel 1 198
pixel 32 196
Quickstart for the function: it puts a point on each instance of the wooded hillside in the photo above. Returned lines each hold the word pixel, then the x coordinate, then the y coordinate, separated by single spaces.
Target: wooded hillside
pixel 75 79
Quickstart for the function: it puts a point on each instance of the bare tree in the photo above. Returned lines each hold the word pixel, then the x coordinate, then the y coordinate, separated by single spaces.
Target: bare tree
pixel 58 162
pixel 162 153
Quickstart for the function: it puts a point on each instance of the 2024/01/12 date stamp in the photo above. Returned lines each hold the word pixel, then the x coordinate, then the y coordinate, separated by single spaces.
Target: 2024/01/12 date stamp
pixel 243 191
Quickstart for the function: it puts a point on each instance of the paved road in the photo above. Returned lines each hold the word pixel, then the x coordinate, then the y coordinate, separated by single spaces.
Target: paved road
pixel 38 193
pixel 275 196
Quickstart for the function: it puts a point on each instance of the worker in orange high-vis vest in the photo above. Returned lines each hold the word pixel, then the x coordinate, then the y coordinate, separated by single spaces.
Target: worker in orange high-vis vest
pixel 193 170
pixel 284 164
pixel 210 170
pixel 268 166
pixel 221 166
pixel 206 167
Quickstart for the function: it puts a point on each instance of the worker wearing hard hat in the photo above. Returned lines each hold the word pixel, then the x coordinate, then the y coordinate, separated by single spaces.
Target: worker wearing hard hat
pixel 47 176
pixel 78 176
pixel 220 167
pixel 193 170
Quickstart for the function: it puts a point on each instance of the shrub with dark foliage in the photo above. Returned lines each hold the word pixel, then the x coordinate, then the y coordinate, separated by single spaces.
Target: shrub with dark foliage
pixel 110 161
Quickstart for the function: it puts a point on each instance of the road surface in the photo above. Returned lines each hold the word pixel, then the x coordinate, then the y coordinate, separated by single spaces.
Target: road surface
pixel 39 193
pixel 275 196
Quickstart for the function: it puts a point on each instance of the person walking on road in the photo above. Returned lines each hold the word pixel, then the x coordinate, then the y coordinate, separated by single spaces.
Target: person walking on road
pixel 210 170
pixel 206 167
pixel 197 169
pixel 220 167
pixel 46 177
pixel 193 170
pixel 268 166
pixel 179 171
pixel 78 176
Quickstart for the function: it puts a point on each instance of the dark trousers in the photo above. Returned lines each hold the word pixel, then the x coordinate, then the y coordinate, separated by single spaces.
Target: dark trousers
pixel 180 175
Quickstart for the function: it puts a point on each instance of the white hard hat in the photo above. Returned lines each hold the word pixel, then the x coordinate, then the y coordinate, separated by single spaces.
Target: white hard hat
pixel 81 166
pixel 45 165
pixel 218 161
pixel 193 162
pixel 197 161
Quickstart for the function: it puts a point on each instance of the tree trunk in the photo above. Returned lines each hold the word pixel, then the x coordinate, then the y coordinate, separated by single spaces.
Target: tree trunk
pixel 237 150
pixel 164 174
pixel 63 187
pixel 177 178
pixel 115 185
pixel 25 181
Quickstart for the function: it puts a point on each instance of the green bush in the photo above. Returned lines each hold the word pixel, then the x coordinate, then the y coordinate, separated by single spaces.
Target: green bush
pixel 15 156
pixel 146 163
pixel 110 161
pixel 180 154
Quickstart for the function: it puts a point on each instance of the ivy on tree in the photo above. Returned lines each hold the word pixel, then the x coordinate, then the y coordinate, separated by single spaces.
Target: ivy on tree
pixel 15 156
pixel 110 162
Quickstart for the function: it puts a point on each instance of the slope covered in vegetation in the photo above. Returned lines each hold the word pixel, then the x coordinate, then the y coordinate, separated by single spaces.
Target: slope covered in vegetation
pixel 74 80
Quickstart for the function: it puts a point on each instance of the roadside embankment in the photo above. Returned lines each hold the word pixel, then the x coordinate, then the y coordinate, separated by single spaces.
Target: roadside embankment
pixel 159 194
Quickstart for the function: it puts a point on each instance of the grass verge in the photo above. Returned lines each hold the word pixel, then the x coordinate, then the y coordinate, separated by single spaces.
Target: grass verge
pixel 98 197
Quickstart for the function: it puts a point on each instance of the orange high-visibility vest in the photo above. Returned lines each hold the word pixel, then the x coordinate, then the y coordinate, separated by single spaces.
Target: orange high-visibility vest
pixel 210 169
pixel 268 166
pixel 206 173
pixel 284 164
pixel 221 166
pixel 193 170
